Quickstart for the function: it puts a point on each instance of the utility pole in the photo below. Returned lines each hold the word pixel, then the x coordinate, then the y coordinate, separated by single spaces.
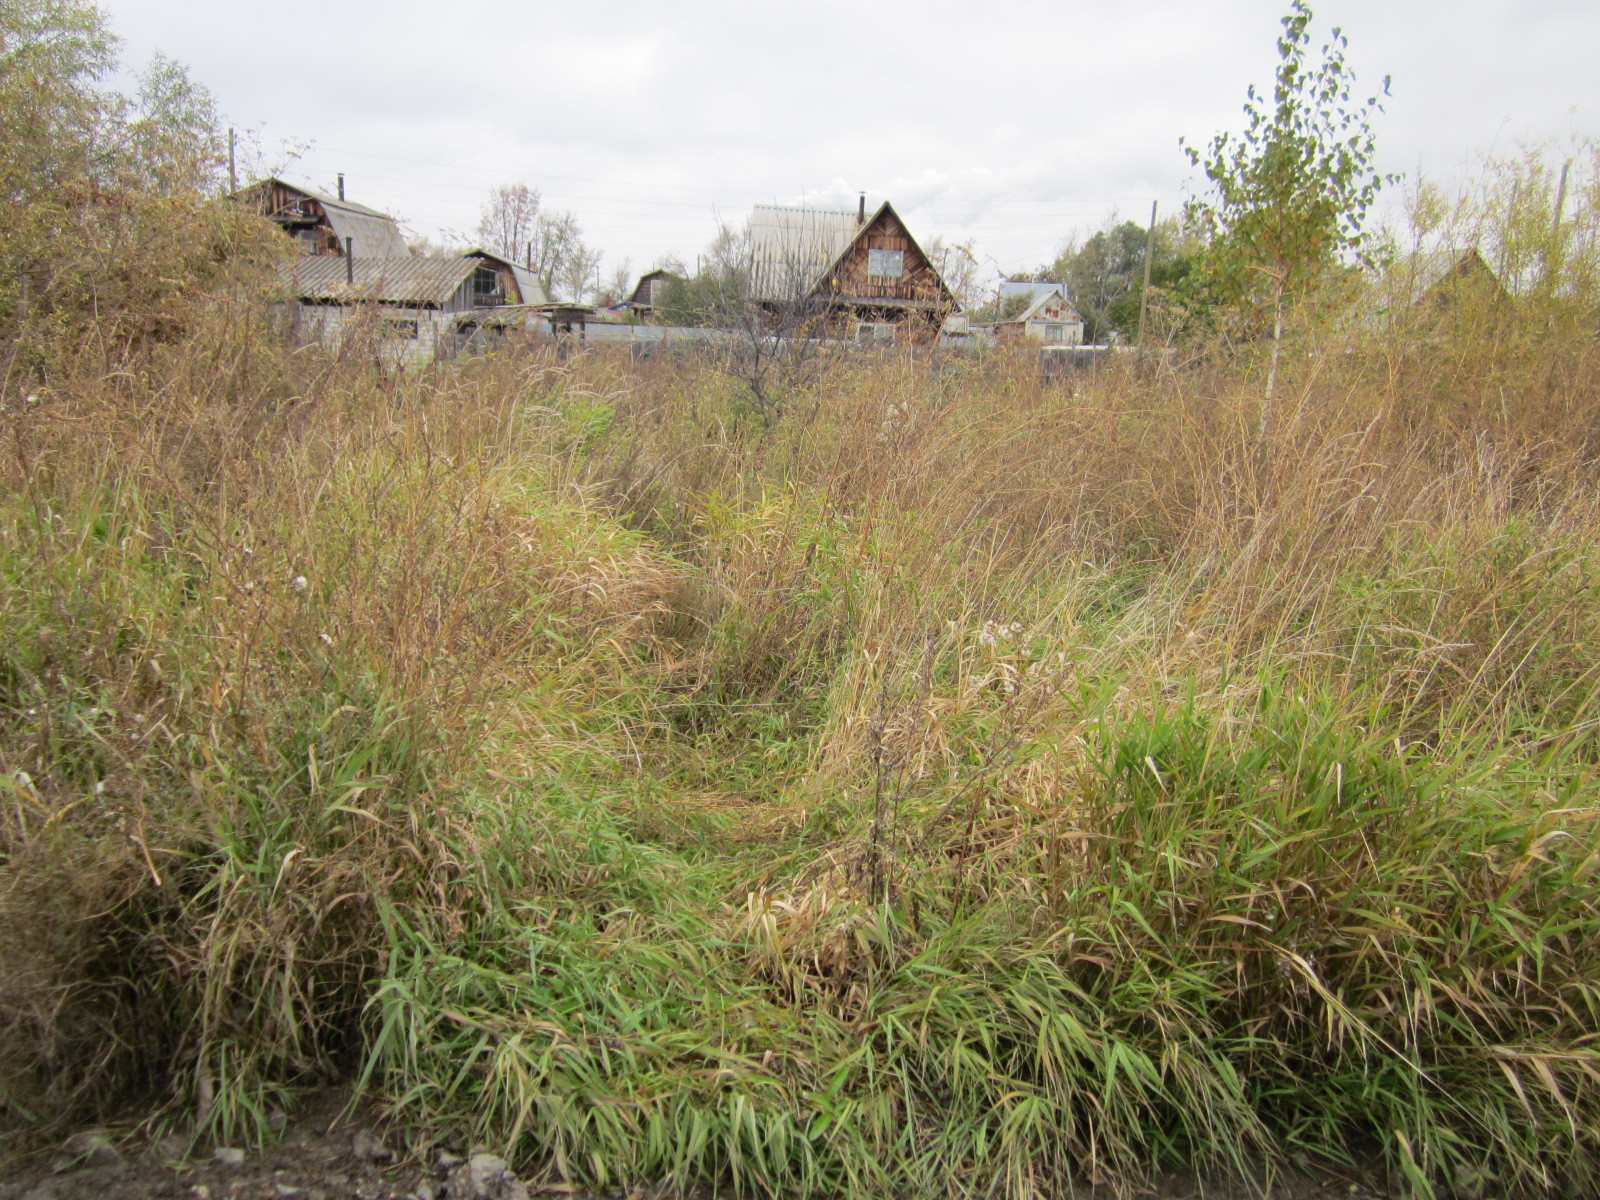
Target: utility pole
pixel 1561 200
pixel 1552 261
pixel 233 172
pixel 1149 253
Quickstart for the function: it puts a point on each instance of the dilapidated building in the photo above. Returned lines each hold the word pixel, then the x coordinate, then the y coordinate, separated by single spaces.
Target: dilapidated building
pixel 326 225
pixel 355 271
pixel 500 281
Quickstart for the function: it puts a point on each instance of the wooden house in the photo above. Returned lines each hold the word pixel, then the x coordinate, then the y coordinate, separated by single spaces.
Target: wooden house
pixel 1426 292
pixel 1444 279
pixel 850 268
pixel 650 292
pixel 356 272
pixel 325 225
pixel 500 281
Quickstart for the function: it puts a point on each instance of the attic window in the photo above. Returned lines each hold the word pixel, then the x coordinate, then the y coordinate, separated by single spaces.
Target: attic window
pixel 886 264
pixel 486 288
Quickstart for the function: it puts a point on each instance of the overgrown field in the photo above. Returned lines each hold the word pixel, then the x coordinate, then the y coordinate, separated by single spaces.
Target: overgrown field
pixel 947 784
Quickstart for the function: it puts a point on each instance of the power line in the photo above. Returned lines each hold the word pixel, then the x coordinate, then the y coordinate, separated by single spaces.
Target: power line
pixel 766 192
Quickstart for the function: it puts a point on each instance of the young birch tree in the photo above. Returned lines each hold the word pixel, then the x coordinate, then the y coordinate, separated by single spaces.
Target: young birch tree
pixel 1290 194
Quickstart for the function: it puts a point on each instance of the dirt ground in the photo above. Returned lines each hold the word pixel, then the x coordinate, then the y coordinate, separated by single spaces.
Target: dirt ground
pixel 327 1153
pixel 324 1154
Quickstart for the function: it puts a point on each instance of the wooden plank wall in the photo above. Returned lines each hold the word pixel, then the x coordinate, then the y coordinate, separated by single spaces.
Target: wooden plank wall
pixel 919 281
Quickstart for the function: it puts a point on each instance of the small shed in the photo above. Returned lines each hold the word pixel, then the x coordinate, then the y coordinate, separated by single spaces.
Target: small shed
pixel 651 291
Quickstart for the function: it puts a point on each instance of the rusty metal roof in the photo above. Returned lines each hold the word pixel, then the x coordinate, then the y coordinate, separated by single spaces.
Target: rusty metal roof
pixel 414 281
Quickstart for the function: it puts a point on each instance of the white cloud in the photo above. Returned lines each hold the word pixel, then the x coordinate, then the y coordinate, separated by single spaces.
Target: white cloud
pixel 1012 122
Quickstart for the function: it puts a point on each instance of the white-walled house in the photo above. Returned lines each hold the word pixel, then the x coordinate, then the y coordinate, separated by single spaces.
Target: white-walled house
pixel 1050 319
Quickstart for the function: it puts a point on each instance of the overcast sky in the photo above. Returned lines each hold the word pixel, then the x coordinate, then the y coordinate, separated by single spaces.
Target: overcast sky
pixel 1009 123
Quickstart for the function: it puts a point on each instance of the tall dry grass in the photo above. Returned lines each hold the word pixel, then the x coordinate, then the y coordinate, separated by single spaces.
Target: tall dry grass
pixel 267 609
pixel 963 783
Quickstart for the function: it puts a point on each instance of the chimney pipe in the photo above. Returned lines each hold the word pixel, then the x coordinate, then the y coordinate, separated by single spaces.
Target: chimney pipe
pixel 341 185
pixel 861 209
pixel 350 261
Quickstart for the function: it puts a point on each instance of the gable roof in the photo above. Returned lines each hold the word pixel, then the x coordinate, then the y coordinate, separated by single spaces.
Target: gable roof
pixel 793 250
pixel 1033 311
pixel 1012 288
pixel 528 285
pixel 644 292
pixel 412 281
pixel 375 234
pixel 1434 269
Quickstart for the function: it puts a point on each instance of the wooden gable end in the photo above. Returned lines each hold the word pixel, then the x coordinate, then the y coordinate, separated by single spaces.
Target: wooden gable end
pixel 1470 278
pixel 860 274
pixel 298 213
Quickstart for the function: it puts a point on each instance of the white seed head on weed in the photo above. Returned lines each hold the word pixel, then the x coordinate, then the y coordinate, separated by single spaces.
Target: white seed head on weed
pixel 297 584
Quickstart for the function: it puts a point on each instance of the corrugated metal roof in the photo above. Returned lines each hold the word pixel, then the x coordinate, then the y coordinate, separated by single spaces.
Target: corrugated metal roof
pixel 350 205
pixel 528 286
pixel 375 235
pixel 791 248
pixel 415 281
pixel 1012 288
